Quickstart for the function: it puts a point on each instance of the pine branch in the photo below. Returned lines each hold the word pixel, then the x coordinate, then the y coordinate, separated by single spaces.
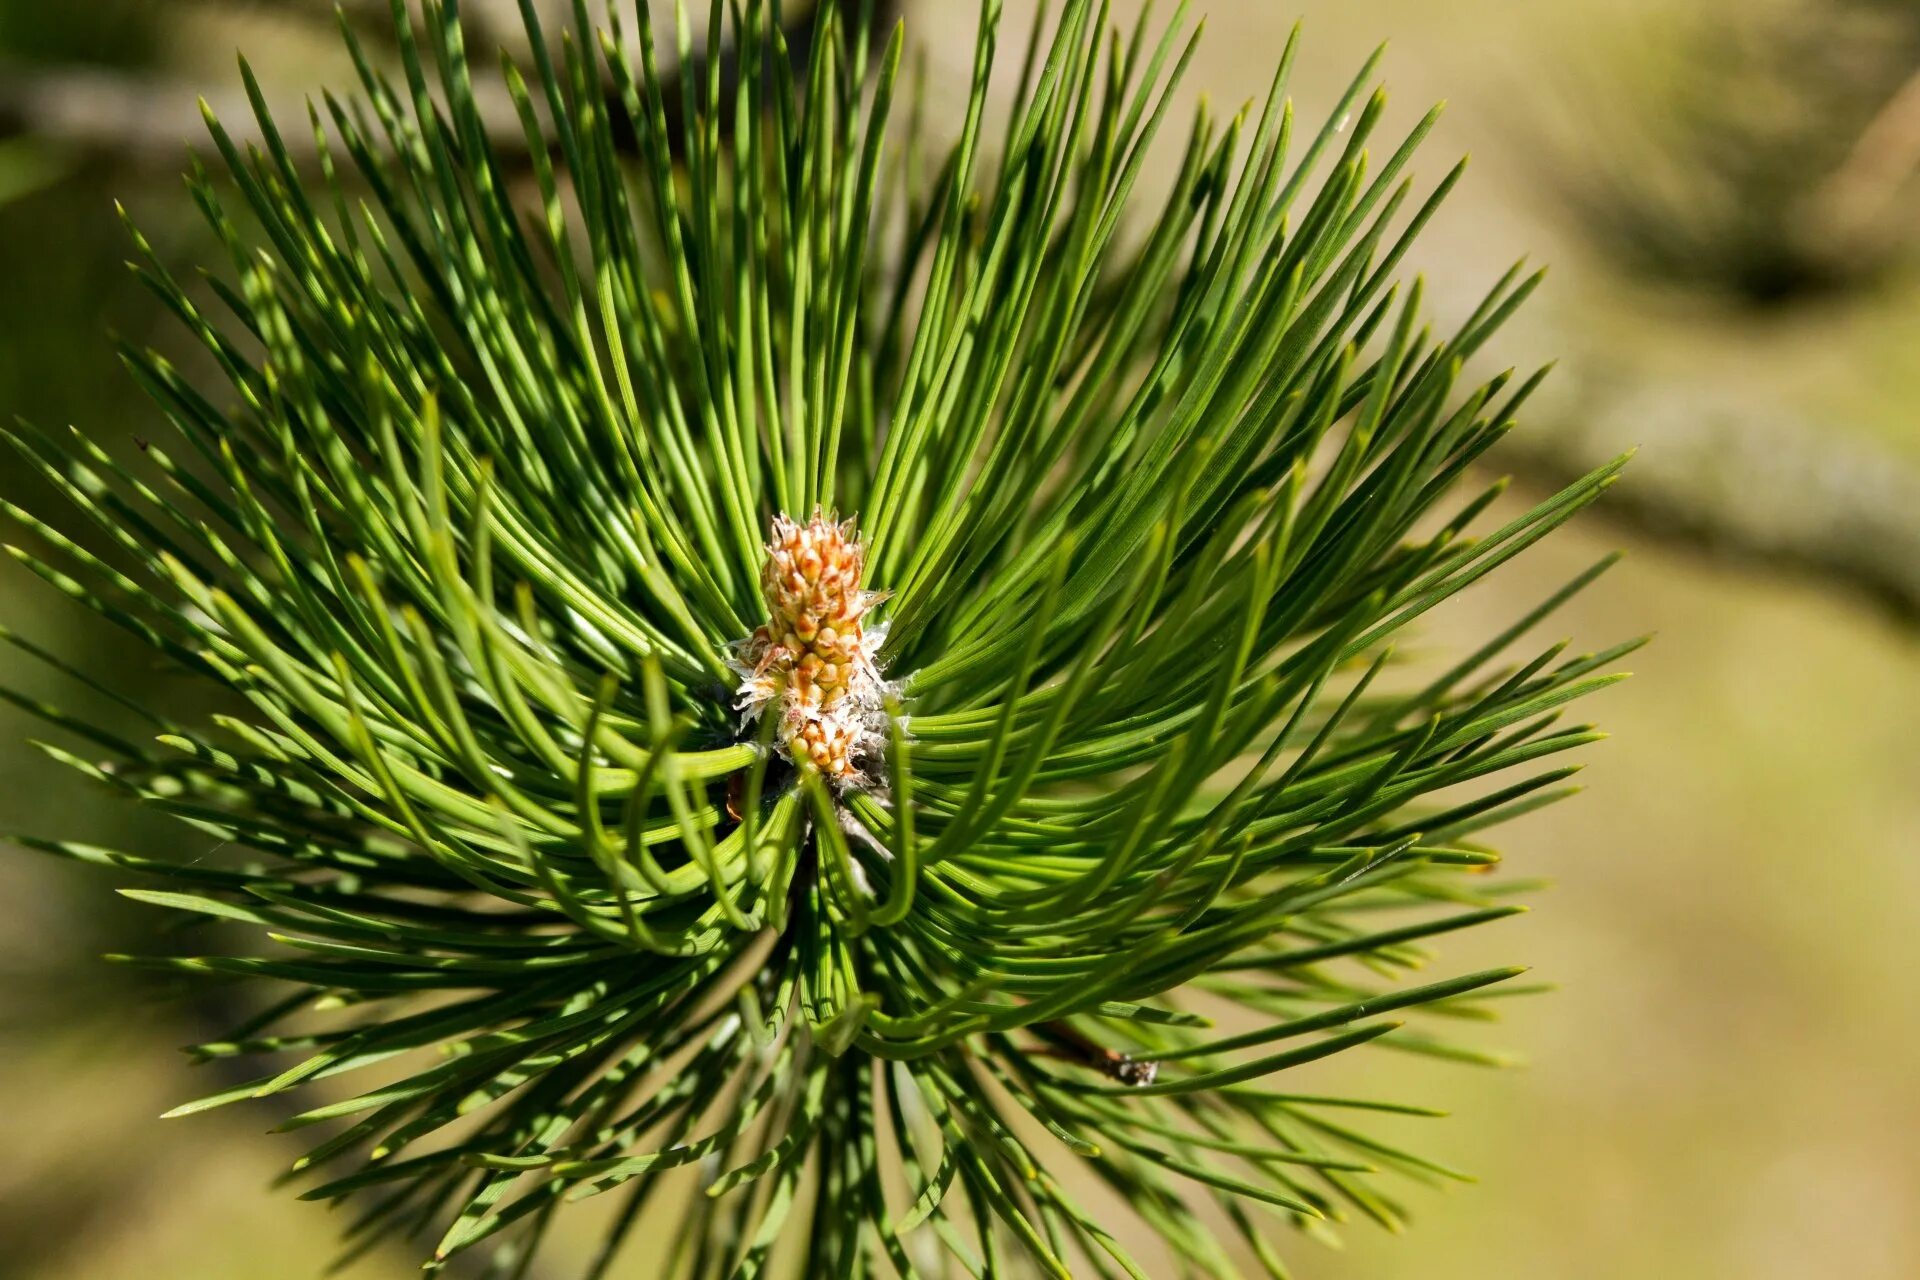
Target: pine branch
pixel 734 659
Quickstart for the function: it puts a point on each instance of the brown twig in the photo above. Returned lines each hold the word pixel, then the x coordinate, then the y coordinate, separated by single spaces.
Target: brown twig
pixel 1070 1043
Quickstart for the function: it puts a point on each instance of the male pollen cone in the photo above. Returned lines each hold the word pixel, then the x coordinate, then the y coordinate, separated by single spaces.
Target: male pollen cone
pixel 815 655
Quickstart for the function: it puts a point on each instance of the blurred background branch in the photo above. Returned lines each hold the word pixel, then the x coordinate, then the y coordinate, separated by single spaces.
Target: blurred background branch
pixel 1765 490
pixel 489 24
pixel 134 121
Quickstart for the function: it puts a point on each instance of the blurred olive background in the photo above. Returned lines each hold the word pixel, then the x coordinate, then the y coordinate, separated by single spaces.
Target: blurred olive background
pixel 1728 1083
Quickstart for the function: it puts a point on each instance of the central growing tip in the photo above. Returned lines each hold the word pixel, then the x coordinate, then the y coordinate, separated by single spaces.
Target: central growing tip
pixel 813 662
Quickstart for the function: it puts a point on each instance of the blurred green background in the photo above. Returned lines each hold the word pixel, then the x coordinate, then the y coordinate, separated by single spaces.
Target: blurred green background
pixel 1728 1084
